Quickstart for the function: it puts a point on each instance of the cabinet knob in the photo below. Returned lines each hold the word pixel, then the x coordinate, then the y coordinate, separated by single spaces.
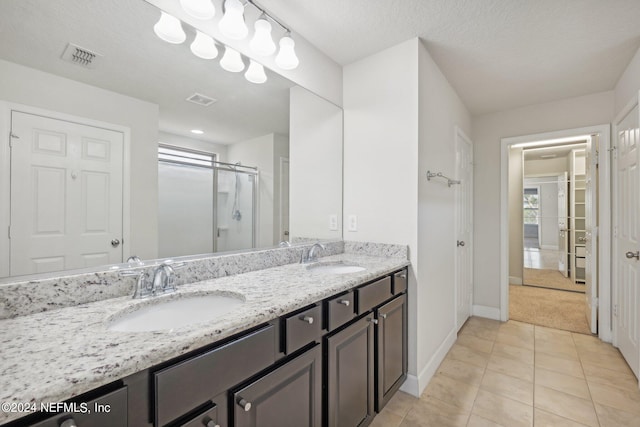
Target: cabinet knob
pixel 403 276
pixel 307 319
pixel 374 321
pixel 68 423
pixel 384 316
pixel 244 404
pixel 344 302
pixel 210 423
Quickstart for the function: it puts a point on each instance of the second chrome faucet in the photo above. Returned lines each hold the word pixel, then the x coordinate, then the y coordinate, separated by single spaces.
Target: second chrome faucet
pixel 312 254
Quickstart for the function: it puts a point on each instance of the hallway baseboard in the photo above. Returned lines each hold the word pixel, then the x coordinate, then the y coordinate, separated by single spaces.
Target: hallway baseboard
pixel 513 280
pixel 486 312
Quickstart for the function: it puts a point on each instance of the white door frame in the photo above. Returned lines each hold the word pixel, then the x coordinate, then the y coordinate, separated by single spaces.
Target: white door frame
pixel 461 137
pixel 604 223
pixel 5 172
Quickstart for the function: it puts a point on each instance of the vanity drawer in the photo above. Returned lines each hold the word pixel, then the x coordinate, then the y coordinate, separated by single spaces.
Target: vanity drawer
pixel 399 282
pixel 339 310
pixel 210 416
pixel 373 294
pixel 186 385
pixel 97 416
pixel 302 328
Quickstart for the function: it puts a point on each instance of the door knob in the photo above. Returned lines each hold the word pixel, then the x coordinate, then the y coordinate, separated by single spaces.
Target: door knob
pixel 633 255
pixel 460 243
pixel 115 243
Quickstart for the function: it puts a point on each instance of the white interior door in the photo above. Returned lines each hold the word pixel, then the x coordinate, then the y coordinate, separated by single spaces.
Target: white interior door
pixel 464 228
pixel 563 228
pixel 591 236
pixel 626 266
pixel 66 195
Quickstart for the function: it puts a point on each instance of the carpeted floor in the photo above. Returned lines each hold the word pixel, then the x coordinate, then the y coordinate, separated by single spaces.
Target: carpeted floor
pixel 548 307
pixel 552 279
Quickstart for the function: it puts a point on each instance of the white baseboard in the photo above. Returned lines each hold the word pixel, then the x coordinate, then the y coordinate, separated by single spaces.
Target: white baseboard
pixel 486 312
pixel 513 280
pixel 416 385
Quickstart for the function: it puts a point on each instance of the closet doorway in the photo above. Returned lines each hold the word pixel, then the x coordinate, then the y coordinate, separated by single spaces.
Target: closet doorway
pixel 552 243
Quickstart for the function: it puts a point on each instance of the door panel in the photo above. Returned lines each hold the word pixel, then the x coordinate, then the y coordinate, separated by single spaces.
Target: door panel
pixel 626 238
pixel 563 225
pixel 591 235
pixel 464 228
pixel 66 195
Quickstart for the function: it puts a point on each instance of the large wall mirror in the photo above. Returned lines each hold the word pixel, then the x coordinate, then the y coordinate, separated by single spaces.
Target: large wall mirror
pixel 99 161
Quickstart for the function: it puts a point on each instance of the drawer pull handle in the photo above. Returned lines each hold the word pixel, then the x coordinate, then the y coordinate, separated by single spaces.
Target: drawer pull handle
pixel 307 319
pixel 384 316
pixel 210 423
pixel 68 423
pixel 344 302
pixel 244 404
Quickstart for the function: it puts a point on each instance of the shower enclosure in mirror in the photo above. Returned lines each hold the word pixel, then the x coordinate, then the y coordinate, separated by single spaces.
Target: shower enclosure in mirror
pixel 275 149
pixel 555 216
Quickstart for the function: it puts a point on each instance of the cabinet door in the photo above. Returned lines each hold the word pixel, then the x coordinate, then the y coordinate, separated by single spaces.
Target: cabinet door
pixel 350 375
pixel 391 342
pixel 290 396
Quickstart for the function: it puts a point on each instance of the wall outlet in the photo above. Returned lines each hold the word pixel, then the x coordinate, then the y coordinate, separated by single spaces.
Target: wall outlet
pixel 353 223
pixel 333 222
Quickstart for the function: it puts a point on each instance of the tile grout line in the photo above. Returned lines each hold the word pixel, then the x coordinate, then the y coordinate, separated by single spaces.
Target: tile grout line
pixel 584 374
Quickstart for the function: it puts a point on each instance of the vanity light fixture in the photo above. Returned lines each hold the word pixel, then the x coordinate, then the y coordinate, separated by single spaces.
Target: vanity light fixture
pixel 255 73
pixel 232 24
pixel 169 29
pixel 199 9
pixel 231 60
pixel 262 43
pixel 203 46
pixel 286 58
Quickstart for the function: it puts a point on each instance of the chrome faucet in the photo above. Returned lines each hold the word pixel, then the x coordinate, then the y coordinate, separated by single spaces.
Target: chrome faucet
pixel 160 281
pixel 311 255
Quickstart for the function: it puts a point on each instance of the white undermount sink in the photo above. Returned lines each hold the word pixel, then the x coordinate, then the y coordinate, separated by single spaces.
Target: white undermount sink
pixel 168 314
pixel 335 268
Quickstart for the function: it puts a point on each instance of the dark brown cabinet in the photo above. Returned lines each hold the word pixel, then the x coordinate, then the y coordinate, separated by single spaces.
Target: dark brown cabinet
pixel 289 396
pixel 350 375
pixel 391 349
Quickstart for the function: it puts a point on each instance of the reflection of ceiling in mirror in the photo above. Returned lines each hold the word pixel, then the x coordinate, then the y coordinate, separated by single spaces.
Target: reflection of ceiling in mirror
pixel 544 153
pixel 136 63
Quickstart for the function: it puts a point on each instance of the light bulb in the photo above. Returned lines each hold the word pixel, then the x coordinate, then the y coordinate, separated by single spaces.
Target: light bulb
pixel 203 46
pixel 262 43
pixel 231 60
pixel 255 73
pixel 169 29
pixel 232 23
pixel 200 9
pixel 286 58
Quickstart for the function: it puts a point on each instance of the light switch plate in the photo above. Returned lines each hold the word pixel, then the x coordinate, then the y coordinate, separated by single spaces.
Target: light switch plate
pixel 353 223
pixel 333 222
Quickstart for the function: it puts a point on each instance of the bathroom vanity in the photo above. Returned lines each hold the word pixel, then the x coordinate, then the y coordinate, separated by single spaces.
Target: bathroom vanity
pixel 305 348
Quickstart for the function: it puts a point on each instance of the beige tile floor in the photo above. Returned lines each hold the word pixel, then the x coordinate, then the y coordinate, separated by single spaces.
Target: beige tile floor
pixel 516 374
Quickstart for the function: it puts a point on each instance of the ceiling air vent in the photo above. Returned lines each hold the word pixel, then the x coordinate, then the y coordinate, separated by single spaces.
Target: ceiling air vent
pixel 200 99
pixel 80 56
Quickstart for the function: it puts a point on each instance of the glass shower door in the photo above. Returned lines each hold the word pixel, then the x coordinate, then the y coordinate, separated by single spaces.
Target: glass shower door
pixel 236 205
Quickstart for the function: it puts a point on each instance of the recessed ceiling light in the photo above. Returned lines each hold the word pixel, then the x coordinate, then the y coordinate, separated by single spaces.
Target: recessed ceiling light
pixel 197 131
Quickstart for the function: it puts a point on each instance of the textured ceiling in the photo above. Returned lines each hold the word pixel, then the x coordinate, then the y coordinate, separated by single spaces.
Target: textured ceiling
pixel 497 54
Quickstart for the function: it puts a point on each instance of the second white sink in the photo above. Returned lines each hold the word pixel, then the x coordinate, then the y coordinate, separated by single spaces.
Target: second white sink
pixel 335 268
pixel 168 314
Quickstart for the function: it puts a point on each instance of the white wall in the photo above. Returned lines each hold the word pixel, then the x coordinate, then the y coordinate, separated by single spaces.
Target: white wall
pixel 315 153
pixel 35 88
pixel 629 83
pixel 400 114
pixel 549 167
pixel 594 109
pixel 440 110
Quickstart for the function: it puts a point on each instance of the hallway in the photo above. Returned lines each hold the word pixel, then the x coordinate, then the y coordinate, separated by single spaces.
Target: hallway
pixel 515 374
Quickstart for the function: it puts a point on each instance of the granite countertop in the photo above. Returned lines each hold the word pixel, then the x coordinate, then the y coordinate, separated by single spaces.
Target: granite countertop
pixel 55 355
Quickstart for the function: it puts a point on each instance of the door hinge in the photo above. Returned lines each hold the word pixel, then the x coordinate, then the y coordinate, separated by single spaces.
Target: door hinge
pixel 615 310
pixel 12 136
pixel 597 158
